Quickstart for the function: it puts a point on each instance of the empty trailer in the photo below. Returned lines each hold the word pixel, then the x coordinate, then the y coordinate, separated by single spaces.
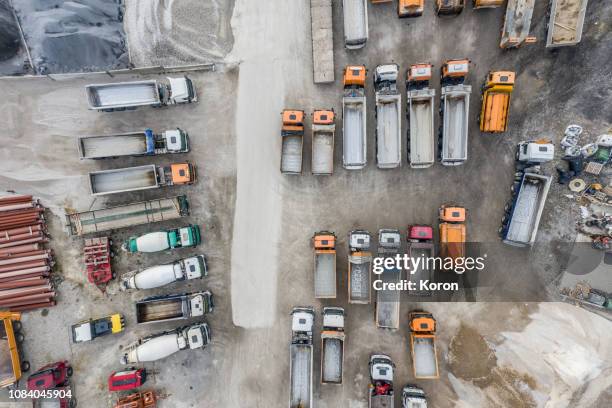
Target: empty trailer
pixel 455 104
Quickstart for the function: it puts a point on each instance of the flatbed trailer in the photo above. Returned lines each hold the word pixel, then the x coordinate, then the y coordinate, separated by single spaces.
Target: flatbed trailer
pixel 517 24
pixel 566 22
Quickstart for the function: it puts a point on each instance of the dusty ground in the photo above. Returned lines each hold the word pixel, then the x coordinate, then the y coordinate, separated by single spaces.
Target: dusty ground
pixel 257 224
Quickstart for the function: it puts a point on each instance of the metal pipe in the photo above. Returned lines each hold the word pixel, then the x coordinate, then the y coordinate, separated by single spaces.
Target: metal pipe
pixel 32 306
pixel 9 252
pixel 27 258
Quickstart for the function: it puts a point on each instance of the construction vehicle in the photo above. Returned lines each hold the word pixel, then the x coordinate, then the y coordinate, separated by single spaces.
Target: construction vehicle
pixel 184 237
pixel 380 390
pixel 332 345
pixel 388 301
pixel 535 151
pixel 449 7
pixel 423 346
pixel 359 266
pixel 164 308
pixel 301 360
pixel 420 245
pixel 12 366
pixel 121 96
pixel 323 134
pixel 87 330
pixel 454 111
pixel 137 178
pixel 413 397
pixel 388 117
pixel 566 22
pixel 97 253
pixel 161 275
pixel 144 143
pixel 51 376
pixel 517 24
pixel 355 14
pixel 292 134
pixel 496 101
pixel 161 345
pixel 410 8
pixel 452 232
pixel 127 379
pixel 354 141
pixel 324 243
pixel 524 211
pixel 144 399
pixel 482 4
pixel 420 116
pixel 129 215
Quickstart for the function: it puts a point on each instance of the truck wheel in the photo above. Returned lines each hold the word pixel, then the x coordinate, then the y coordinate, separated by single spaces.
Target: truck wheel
pixel 17 326
pixel 72 403
pixel 19 337
pixel 25 366
pixel 69 371
pixel 507 207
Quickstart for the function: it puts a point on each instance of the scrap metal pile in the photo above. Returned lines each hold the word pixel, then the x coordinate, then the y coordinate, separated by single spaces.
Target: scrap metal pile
pixel 25 263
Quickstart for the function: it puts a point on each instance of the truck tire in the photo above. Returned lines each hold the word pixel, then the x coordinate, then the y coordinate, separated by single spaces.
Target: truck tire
pixel 17 326
pixel 25 366
pixel 72 403
pixel 69 371
pixel 19 337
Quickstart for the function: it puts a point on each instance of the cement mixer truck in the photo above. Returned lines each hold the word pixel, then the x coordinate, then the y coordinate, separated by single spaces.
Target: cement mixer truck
pixel 160 275
pixel 184 237
pixel 161 345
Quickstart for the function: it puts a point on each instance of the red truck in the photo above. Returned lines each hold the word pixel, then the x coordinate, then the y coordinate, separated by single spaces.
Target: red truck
pixel 127 379
pixel 97 252
pixel 53 377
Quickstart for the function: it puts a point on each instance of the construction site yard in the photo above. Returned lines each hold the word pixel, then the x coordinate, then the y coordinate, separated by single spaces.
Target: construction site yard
pixel 508 342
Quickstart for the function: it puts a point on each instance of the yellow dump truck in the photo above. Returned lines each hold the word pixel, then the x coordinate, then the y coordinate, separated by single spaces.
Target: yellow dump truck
pixel 11 366
pixel 496 101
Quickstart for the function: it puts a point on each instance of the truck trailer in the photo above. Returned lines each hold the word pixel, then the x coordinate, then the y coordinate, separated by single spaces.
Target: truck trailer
pixel 323 134
pixel 128 215
pixel 355 14
pixel 354 140
pixel 454 111
pixel 137 178
pixel 359 267
pixel 420 116
pixel 423 346
pixel 380 390
pixel 388 301
pixel 566 22
pixel 332 345
pixel 12 366
pixel 121 96
pixel 496 102
pixel 166 308
pixel 145 143
pixel 161 275
pixel 517 24
pixel 301 358
pixel 388 117
pixel 324 243
pixel 420 245
pixel 292 143
pixel 184 237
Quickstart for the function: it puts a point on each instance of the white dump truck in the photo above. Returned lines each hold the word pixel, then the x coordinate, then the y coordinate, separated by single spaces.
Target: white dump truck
pixel 324 243
pixel 388 117
pixel 301 358
pixel 359 267
pixel 388 301
pixel 332 345
pixel 161 275
pixel 355 14
pixel 413 397
pixel 165 308
pixel 381 393
pixel 162 345
pixel 323 134
pixel 145 143
pixel 566 22
pixel 354 141
pixel 420 245
pixel 454 111
pixel 119 96
pixel 420 116
pixel 137 178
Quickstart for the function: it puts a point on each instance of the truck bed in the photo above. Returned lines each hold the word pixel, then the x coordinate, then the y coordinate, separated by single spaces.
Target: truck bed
pixel 353 133
pixel 113 145
pixel 355 22
pixel 291 159
pixel 119 180
pixel 517 22
pixel 456 100
pixel 566 21
pixel 424 358
pixel 127 94
pixel 388 131
pixel 331 369
pixel 388 301
pixel 418 250
pixel 159 310
pixel 381 401
pixel 301 376
pixel 359 280
pixel 322 151
pixel 527 210
pixel 421 127
pixel 496 111
pixel 325 275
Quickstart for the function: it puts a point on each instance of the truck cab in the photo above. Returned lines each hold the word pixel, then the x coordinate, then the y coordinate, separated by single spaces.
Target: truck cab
pixel 174 140
pixel 454 71
pixel 181 91
pixel 418 76
pixel 50 376
pixel 410 8
pixel 413 397
pixel 178 174
pixel 539 151
pixel 449 7
pixel 480 4
pixel 88 330
pixel 381 394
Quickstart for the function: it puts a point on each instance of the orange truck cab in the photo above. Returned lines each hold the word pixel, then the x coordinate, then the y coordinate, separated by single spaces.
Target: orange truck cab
pixel 496 101
pixel 479 4
pixel 183 173
pixel 449 7
pixel 11 366
pixel 452 231
pixel 354 76
pixel 410 8
pixel 454 71
pixel 418 76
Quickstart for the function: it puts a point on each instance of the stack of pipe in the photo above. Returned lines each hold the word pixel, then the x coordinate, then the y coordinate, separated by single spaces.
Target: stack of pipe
pixel 25 263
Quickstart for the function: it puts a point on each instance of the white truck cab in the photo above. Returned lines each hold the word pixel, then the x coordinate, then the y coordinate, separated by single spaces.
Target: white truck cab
pixel 536 151
pixel 181 91
pixel 381 368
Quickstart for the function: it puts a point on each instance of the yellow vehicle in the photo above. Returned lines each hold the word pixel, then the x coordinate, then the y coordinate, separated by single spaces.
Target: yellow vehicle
pixel 496 101
pixel 410 8
pixel 90 329
pixel 11 366
pixel 452 231
pixel 478 4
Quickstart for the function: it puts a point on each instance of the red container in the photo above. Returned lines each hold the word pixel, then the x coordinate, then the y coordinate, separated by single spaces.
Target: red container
pixel 127 380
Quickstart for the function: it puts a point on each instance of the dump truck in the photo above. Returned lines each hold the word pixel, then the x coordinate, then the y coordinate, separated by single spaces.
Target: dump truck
pixel 355 14
pixel 145 143
pixel 324 243
pixel 482 4
pixel 292 134
pixel 423 346
pixel 454 111
pixel 137 178
pixel 566 22
pixel 121 96
pixel 183 237
pixel 165 308
pixel 452 231
pixel 89 329
pixel 413 397
pixel 161 345
pixel 323 134
pixel 354 141
pixel 388 117
pixel 410 8
pixel 359 266
pixel 11 364
pixel 535 151
pixel 517 24
pixel 161 275
pixel 128 215
pixel 332 345
pixel 496 101
pixel 449 7
pixel 388 301
pixel 380 390
pixel 420 245
pixel 301 360
pixel 420 116
pixel 522 214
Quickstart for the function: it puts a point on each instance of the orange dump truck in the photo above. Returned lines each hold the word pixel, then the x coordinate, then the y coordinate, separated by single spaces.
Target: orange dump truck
pixel 292 134
pixel 410 8
pixel 11 366
pixel 423 346
pixel 452 231
pixel 496 101
pixel 323 133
